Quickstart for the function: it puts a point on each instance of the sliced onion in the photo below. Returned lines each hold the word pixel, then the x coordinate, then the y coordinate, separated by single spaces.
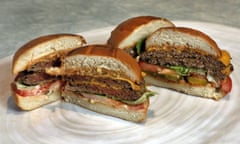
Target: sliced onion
pixel 213 80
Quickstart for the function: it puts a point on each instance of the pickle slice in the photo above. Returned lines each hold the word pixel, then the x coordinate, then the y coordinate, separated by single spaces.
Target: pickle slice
pixel 172 77
pixel 197 80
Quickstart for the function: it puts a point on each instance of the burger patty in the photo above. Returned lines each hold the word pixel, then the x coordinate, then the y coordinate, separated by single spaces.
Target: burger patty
pixel 34 78
pixel 116 89
pixel 36 75
pixel 42 65
pixel 186 57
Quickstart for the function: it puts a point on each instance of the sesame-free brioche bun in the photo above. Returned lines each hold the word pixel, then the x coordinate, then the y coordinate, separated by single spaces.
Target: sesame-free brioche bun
pixel 205 91
pixel 102 60
pixel 115 109
pixel 43 47
pixel 129 32
pixel 183 37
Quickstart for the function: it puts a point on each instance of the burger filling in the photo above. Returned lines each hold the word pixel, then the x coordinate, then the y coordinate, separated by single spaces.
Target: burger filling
pixel 35 81
pixel 107 87
pixel 184 65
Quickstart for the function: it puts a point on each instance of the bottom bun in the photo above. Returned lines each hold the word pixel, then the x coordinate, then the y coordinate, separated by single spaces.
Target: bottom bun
pixel 201 91
pixel 122 112
pixel 33 102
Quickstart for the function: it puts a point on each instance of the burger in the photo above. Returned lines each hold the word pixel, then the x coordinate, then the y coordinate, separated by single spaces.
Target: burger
pixel 104 80
pixel 188 61
pixel 178 58
pixel 32 86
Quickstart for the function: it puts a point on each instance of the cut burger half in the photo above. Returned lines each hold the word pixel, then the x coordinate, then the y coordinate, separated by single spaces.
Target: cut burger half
pixel 105 80
pixel 32 86
pixel 188 61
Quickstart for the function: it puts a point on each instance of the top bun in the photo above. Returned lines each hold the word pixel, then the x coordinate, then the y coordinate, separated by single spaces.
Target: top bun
pixel 129 32
pixel 102 60
pixel 183 37
pixel 43 46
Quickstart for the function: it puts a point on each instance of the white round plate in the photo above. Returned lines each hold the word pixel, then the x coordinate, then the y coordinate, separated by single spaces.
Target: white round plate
pixel 172 118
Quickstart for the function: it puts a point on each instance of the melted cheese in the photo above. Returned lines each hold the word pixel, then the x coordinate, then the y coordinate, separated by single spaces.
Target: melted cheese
pixel 225 58
pixel 133 85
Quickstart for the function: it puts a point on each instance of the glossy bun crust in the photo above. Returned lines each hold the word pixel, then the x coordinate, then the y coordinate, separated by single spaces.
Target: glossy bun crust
pixel 183 36
pixel 44 47
pixel 112 58
pixel 127 33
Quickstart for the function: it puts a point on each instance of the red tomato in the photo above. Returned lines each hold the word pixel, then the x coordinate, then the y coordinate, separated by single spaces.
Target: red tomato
pixel 38 90
pixel 226 85
pixel 102 99
pixel 155 68
pixel 148 67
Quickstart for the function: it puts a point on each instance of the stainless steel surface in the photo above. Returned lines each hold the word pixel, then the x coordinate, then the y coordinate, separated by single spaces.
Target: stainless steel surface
pixel 21 21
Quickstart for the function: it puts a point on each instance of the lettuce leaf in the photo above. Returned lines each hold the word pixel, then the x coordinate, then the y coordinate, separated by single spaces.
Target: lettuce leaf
pixel 140 100
pixel 184 71
pixel 140 46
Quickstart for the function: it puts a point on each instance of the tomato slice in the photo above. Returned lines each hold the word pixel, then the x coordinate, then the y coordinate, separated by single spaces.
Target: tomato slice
pixel 37 90
pixel 158 69
pixel 148 67
pixel 226 85
pixel 108 101
pixel 155 68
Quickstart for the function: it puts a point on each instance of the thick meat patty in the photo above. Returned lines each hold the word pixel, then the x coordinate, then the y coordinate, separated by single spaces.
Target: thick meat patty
pixel 35 78
pixel 184 57
pixel 116 89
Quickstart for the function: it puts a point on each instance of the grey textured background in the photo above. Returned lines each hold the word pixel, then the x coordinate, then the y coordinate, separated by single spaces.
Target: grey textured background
pixel 23 20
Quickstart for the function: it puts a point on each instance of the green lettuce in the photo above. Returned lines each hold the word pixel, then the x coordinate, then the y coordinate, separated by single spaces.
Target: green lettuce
pixel 140 100
pixel 184 71
pixel 140 46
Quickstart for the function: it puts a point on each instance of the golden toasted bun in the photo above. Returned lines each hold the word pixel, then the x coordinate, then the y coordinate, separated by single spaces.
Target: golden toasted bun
pixel 123 111
pixel 183 37
pixel 201 91
pixel 33 102
pixel 43 47
pixel 102 60
pixel 129 32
